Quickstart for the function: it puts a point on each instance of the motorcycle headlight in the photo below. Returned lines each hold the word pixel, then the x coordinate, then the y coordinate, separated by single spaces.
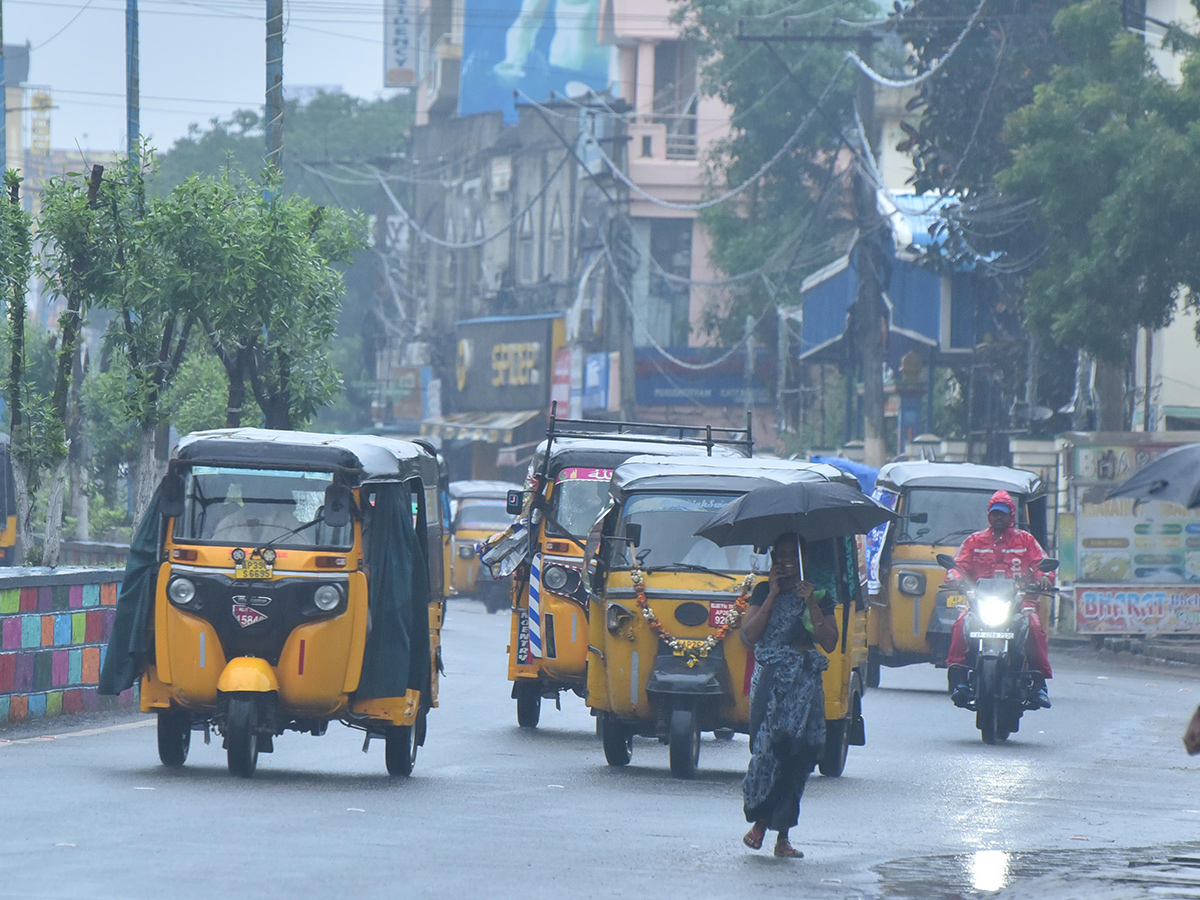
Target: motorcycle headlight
pixel 555 578
pixel 327 597
pixel 181 591
pixel 994 610
pixel 466 552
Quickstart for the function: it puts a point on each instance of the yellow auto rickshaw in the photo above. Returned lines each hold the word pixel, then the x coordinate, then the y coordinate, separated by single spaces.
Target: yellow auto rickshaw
pixel 665 657
pixel 566 488
pixel 940 504
pixel 281 581
pixel 477 512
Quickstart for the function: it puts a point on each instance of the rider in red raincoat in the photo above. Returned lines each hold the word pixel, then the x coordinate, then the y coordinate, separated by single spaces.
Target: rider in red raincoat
pixel 1001 550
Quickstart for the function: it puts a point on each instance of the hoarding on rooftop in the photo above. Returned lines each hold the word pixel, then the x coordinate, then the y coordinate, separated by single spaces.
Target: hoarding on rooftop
pixel 537 47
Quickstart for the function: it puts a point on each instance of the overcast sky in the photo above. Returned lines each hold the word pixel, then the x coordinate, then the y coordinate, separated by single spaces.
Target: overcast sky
pixel 199 60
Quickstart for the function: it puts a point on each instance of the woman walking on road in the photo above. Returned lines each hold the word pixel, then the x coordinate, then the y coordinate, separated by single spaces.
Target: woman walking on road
pixel 786 621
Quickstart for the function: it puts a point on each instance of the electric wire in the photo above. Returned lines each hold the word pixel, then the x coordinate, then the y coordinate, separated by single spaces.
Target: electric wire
pixel 934 67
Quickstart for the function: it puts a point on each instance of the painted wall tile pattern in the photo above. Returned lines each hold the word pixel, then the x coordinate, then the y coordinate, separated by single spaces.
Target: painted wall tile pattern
pixel 52 646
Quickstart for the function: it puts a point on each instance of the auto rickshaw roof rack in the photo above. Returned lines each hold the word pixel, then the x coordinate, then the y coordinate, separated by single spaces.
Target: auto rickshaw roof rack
pixel 708 436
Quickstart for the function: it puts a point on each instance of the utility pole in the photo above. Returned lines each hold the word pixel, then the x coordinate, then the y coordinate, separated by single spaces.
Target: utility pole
pixel 133 128
pixel 870 317
pixel 865 332
pixel 274 83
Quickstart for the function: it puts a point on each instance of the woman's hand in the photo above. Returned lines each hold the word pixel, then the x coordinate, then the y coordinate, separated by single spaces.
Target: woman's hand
pixel 824 627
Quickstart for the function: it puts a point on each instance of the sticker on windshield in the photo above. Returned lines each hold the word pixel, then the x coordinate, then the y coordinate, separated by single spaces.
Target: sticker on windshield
pixel 585 474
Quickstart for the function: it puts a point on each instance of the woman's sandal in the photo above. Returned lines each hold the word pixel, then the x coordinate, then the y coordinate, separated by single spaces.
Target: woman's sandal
pixel 785 850
pixel 754 838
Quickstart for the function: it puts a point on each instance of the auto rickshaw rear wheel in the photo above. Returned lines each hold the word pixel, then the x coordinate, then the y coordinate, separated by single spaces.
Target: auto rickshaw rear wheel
pixel 241 734
pixel 684 734
pixel 400 749
pixel 617 739
pixel 529 703
pixel 174 736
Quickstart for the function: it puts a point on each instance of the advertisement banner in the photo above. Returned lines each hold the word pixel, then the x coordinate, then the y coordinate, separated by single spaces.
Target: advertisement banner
pixel 504 363
pixel 535 47
pixel 876 539
pixel 560 382
pixel 595 383
pixel 399 43
pixel 1154 543
pixel 1119 609
pixel 660 382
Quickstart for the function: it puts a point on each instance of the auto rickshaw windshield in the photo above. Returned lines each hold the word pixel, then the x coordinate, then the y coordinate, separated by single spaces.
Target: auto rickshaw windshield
pixel 482 514
pixel 942 516
pixel 579 495
pixel 668 525
pixel 228 505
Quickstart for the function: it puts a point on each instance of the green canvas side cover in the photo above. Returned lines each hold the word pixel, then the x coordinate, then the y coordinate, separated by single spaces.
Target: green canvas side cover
pixel 130 647
pixel 396 656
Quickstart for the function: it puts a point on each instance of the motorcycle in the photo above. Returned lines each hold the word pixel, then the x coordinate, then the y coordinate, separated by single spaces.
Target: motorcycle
pixel 996 629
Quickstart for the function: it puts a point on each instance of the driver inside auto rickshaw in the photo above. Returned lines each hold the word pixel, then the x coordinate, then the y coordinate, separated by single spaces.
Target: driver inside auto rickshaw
pixel 1001 550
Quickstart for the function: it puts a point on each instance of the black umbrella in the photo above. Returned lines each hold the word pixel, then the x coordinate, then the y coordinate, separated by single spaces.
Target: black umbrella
pixel 1174 477
pixel 811 509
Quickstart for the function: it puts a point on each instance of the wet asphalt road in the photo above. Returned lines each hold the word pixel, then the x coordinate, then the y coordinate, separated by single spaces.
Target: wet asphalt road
pixel 925 810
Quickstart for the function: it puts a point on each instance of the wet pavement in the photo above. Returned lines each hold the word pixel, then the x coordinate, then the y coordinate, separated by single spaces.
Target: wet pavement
pixel 1090 800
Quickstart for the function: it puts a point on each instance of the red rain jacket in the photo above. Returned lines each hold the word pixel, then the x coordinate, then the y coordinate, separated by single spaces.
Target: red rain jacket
pixel 1014 554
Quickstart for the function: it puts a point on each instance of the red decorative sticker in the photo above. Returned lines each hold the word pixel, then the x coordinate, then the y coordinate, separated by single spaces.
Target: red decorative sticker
pixel 718 613
pixel 246 616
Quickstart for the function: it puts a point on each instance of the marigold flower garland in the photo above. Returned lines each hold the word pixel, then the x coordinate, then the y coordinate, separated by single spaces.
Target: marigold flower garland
pixel 695 654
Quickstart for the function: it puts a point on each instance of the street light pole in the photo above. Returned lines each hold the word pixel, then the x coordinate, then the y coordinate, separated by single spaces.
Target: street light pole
pixel 274 104
pixel 133 126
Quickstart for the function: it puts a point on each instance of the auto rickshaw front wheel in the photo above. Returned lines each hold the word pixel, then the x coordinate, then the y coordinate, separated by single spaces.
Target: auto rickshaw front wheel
pixel 174 736
pixel 241 733
pixel 684 737
pixel 529 703
pixel 400 749
pixel 617 739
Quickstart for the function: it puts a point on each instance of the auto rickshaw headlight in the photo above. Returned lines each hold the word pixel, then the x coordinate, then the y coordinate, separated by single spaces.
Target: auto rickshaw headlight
pixel 994 610
pixel 555 578
pixel 181 591
pixel 466 551
pixel 327 597
pixel 912 583
pixel 268 556
pixel 239 555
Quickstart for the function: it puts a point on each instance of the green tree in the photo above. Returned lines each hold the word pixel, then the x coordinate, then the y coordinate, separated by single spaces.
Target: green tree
pixel 1109 153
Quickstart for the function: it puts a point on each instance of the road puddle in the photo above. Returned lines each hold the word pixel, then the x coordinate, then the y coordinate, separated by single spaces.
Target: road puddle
pixel 987 873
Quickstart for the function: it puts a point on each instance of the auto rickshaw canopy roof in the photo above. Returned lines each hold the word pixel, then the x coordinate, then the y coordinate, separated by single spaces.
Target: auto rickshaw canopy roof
pixel 716 474
pixel 608 453
pixel 481 490
pixel 367 457
pixel 966 476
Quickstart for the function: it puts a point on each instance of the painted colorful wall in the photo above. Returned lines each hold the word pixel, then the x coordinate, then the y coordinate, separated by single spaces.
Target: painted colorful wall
pixel 54 626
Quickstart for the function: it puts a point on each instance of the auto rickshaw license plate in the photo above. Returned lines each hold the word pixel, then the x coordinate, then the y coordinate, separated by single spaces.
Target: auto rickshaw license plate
pixel 688 646
pixel 253 568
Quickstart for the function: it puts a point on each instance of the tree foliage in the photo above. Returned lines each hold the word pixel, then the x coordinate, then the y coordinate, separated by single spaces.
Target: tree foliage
pixel 784 221
pixel 1111 153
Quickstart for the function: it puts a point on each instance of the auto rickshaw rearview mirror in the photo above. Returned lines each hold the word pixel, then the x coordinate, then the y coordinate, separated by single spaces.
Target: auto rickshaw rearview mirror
pixel 1049 564
pixel 945 560
pixel 336 513
pixel 513 503
pixel 633 532
pixel 170 502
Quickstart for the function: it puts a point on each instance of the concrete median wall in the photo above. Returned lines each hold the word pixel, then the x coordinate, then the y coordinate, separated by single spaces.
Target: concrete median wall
pixel 54 627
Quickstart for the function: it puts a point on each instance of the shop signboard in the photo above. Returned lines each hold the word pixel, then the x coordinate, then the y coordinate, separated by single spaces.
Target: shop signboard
pixel 720 380
pixel 505 362
pixel 400 43
pixel 1125 609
